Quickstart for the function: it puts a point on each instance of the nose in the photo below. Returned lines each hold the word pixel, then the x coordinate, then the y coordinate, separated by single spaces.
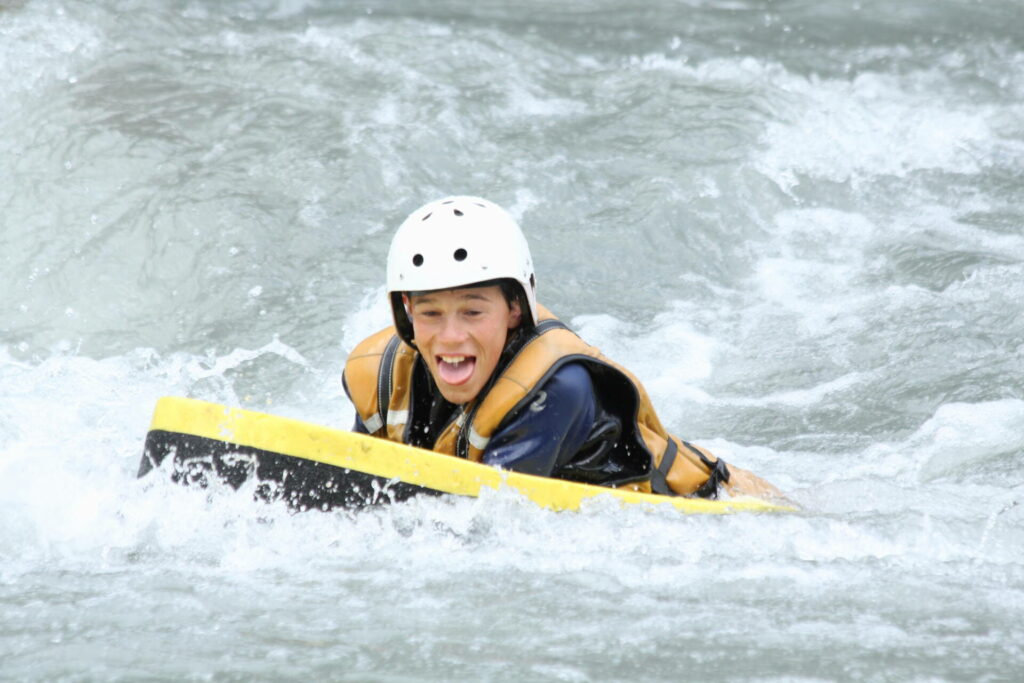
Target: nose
pixel 452 331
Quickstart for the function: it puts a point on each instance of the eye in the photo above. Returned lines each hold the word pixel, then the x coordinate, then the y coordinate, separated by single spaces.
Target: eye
pixel 428 314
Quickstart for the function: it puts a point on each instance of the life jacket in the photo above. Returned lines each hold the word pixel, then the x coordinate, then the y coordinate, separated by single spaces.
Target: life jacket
pixel 642 455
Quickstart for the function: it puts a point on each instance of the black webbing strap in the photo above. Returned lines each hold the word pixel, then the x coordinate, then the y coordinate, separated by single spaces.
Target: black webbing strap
pixel 659 481
pixel 387 364
pixel 719 473
pixel 550 324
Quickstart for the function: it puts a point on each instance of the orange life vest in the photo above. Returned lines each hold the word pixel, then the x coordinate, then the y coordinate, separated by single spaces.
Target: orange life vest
pixel 652 459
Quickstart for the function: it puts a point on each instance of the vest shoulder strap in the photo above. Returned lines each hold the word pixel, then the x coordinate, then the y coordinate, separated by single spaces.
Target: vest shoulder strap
pixel 385 378
pixel 364 378
pixel 551 344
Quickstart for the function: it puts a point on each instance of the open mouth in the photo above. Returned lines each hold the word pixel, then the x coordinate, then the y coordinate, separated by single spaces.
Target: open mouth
pixel 455 370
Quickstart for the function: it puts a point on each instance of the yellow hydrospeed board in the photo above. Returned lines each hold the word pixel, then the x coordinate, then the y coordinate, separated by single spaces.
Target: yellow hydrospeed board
pixel 239 430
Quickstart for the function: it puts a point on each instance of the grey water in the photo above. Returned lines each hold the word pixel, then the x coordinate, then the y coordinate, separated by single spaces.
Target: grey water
pixel 800 223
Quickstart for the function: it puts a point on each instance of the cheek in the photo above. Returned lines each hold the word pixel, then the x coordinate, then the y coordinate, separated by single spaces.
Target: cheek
pixel 497 334
pixel 420 329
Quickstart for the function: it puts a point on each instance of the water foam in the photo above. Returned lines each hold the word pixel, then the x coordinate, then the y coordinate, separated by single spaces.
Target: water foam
pixel 41 45
pixel 872 124
pixel 962 438
pixel 74 429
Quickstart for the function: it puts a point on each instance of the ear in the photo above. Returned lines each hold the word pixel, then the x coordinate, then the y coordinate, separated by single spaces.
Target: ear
pixel 405 302
pixel 515 315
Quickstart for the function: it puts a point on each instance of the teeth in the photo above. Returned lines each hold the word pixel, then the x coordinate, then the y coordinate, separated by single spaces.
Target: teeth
pixel 454 360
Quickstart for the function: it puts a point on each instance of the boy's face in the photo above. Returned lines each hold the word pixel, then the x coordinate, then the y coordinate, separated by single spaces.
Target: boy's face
pixel 461 333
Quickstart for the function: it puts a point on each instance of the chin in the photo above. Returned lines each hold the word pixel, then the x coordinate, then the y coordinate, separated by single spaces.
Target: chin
pixel 457 397
pixel 460 394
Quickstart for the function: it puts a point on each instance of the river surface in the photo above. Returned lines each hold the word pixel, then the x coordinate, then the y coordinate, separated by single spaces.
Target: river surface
pixel 800 223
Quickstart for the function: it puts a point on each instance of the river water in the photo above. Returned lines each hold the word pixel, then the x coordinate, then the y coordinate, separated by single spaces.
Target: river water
pixel 800 223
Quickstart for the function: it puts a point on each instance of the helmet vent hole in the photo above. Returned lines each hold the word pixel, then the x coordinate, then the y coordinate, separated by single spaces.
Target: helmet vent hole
pixel 533 282
pixel 460 254
pixel 417 260
pixel 427 216
pixel 457 212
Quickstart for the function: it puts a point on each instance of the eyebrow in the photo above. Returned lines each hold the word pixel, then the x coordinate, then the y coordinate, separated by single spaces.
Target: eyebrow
pixel 427 299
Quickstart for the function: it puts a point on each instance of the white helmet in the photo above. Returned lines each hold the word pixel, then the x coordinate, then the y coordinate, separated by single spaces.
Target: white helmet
pixel 455 242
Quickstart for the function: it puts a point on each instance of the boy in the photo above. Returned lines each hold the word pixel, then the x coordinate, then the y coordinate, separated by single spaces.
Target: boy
pixel 474 367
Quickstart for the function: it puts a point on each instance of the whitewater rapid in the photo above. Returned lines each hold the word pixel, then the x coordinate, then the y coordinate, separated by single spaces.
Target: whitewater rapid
pixel 799 225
